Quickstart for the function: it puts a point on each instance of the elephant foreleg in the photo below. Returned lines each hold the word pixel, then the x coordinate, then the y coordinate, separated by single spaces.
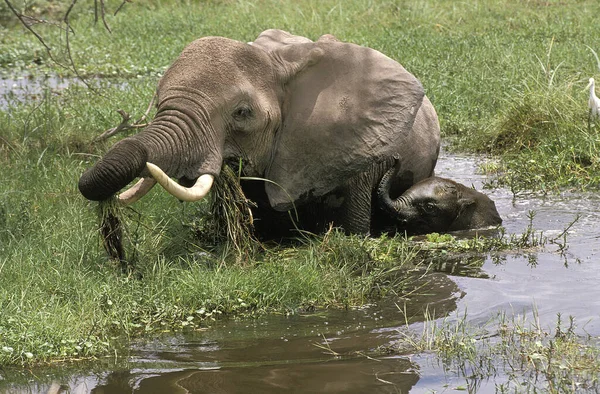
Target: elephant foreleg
pixel 355 211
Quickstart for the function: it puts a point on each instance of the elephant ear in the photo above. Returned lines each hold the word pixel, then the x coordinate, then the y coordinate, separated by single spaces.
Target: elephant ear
pixel 346 107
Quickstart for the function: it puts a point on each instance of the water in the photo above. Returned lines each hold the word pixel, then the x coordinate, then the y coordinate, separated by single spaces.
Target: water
pixel 15 90
pixel 555 283
pixel 341 351
pixel 29 88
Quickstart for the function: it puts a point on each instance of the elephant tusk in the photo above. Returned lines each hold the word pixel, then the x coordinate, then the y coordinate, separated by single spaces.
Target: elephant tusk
pixel 194 193
pixel 136 191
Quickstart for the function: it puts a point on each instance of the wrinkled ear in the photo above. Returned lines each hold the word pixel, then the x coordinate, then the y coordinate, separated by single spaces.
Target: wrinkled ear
pixel 274 38
pixel 346 107
pixel 464 202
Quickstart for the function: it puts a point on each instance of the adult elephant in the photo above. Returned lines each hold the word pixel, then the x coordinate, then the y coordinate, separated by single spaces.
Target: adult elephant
pixel 321 121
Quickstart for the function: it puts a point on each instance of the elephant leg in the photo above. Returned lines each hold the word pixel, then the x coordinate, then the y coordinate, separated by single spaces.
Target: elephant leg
pixel 355 212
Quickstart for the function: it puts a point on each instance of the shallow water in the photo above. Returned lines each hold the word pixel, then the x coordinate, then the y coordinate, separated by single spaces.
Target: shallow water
pixel 29 88
pixel 340 351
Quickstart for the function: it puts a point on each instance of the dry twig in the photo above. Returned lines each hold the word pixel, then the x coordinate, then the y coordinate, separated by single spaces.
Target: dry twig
pixel 121 6
pixel 124 125
pixel 102 13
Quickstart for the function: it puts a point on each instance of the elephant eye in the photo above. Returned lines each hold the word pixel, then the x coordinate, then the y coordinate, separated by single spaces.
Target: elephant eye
pixel 242 113
pixel 429 208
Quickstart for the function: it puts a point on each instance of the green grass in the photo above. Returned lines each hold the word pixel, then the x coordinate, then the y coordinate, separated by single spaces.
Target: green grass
pixel 505 77
pixel 516 354
pixel 510 72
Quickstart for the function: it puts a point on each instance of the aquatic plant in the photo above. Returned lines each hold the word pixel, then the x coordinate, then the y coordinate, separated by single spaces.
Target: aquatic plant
pixel 515 353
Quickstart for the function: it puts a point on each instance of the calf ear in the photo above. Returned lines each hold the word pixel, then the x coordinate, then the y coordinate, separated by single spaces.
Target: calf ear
pixel 345 108
pixel 465 201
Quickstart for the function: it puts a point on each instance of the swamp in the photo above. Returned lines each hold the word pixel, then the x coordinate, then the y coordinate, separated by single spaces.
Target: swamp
pixel 508 309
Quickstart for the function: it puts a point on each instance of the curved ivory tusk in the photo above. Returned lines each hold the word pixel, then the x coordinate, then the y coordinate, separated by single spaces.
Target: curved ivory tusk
pixel 194 193
pixel 136 191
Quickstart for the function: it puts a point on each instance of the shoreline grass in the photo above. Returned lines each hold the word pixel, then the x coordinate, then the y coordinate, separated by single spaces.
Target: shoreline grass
pixel 513 353
pixel 505 77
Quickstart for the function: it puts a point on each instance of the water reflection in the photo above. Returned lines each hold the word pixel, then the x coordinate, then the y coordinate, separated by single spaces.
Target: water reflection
pixel 28 88
pixel 327 352
pixel 552 280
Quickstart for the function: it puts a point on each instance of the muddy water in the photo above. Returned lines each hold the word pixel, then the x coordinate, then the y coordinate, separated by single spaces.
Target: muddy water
pixel 339 351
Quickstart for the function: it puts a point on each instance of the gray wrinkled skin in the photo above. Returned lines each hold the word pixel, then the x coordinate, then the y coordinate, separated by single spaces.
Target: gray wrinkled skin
pixel 320 120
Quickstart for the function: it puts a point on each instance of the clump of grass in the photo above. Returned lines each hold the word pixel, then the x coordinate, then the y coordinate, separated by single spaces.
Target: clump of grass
pixel 226 226
pixel 231 222
pixel 111 231
pixel 552 116
pixel 533 117
pixel 544 138
pixel 546 145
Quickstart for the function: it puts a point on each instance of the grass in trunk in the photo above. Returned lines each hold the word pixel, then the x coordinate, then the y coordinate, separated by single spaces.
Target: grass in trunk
pixel 228 229
pixel 231 224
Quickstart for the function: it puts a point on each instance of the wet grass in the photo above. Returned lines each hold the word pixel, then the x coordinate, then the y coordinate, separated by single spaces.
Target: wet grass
pixel 512 352
pixel 506 79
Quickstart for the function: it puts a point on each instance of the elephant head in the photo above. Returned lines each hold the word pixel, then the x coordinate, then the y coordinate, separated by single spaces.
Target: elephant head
pixel 305 116
pixel 437 205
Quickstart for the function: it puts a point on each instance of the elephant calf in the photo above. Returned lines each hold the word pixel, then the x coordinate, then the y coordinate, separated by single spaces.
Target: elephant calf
pixel 437 205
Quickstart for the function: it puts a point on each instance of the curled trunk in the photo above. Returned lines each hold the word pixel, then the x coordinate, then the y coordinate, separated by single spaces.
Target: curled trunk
pixel 383 191
pixel 180 141
pixel 114 171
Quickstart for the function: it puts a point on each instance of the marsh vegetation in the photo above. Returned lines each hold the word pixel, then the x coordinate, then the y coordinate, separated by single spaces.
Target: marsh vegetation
pixel 507 80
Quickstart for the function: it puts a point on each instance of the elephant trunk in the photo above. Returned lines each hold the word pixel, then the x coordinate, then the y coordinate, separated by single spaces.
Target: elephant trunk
pixel 383 191
pixel 114 171
pixel 180 142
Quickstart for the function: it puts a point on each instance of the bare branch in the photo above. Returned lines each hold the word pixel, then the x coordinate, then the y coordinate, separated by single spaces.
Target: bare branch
pixel 68 46
pixel 21 18
pixel 104 16
pixel 66 17
pixel 30 20
pixel 95 12
pixel 150 105
pixel 124 125
pixel 121 6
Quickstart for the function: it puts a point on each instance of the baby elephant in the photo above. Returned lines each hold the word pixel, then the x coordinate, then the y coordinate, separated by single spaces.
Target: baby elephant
pixel 437 205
